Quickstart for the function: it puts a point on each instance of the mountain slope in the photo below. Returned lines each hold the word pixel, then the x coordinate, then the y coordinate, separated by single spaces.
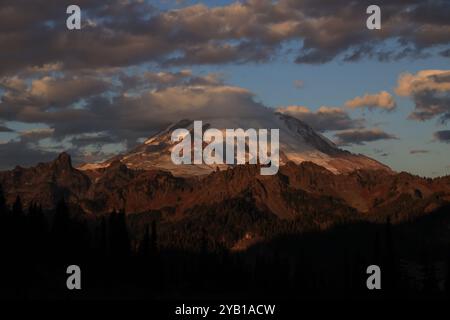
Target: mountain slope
pixel 298 143
pixel 237 202
pixel 294 190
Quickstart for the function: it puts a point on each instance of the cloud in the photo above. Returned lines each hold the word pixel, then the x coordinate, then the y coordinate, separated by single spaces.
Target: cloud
pixel 128 33
pixel 361 136
pixel 163 79
pixel 135 106
pixel 425 80
pixel 47 92
pixel 25 150
pixel 13 83
pixel 64 91
pixel 5 129
pixel 98 139
pixel 442 136
pixel 430 90
pixel 418 151
pixel 324 119
pixel 380 152
pixel 36 134
pixel 21 153
pixel 128 112
pixel 382 100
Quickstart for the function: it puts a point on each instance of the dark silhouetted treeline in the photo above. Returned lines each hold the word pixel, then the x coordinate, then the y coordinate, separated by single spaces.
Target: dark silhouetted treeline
pixel 144 256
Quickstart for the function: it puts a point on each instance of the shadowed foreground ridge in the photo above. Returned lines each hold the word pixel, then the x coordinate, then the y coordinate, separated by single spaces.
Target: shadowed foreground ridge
pixel 232 233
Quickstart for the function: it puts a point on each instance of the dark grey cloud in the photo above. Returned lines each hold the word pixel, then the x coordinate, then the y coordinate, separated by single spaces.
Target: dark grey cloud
pixel 430 91
pixel 25 150
pixel 96 139
pixel 36 135
pixel 5 129
pixel 28 148
pixel 361 136
pixel 324 119
pixel 20 153
pixel 41 25
pixel 122 33
pixel 430 104
pixel 442 136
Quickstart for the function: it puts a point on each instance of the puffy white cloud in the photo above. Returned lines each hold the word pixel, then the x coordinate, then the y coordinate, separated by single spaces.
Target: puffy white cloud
pixel 425 80
pixel 382 100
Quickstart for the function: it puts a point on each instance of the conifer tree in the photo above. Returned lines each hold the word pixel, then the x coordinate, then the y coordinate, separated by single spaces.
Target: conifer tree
pixel 3 208
pixel 17 207
pixel 447 279
pixel 61 231
pixel 144 247
pixel 154 240
pixel 430 282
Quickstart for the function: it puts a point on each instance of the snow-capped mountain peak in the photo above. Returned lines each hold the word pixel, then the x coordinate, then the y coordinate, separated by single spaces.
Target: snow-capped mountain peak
pixel 298 143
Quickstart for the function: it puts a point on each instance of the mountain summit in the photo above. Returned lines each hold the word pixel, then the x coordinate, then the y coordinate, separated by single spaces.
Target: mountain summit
pixel 298 143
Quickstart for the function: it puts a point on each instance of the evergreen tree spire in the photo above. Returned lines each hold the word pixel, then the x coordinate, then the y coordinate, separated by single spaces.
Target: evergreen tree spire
pixel 154 239
pixel 2 201
pixel 145 243
pixel 17 206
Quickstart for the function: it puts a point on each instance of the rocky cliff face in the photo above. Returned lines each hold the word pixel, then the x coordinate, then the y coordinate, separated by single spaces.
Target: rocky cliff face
pixel 46 183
